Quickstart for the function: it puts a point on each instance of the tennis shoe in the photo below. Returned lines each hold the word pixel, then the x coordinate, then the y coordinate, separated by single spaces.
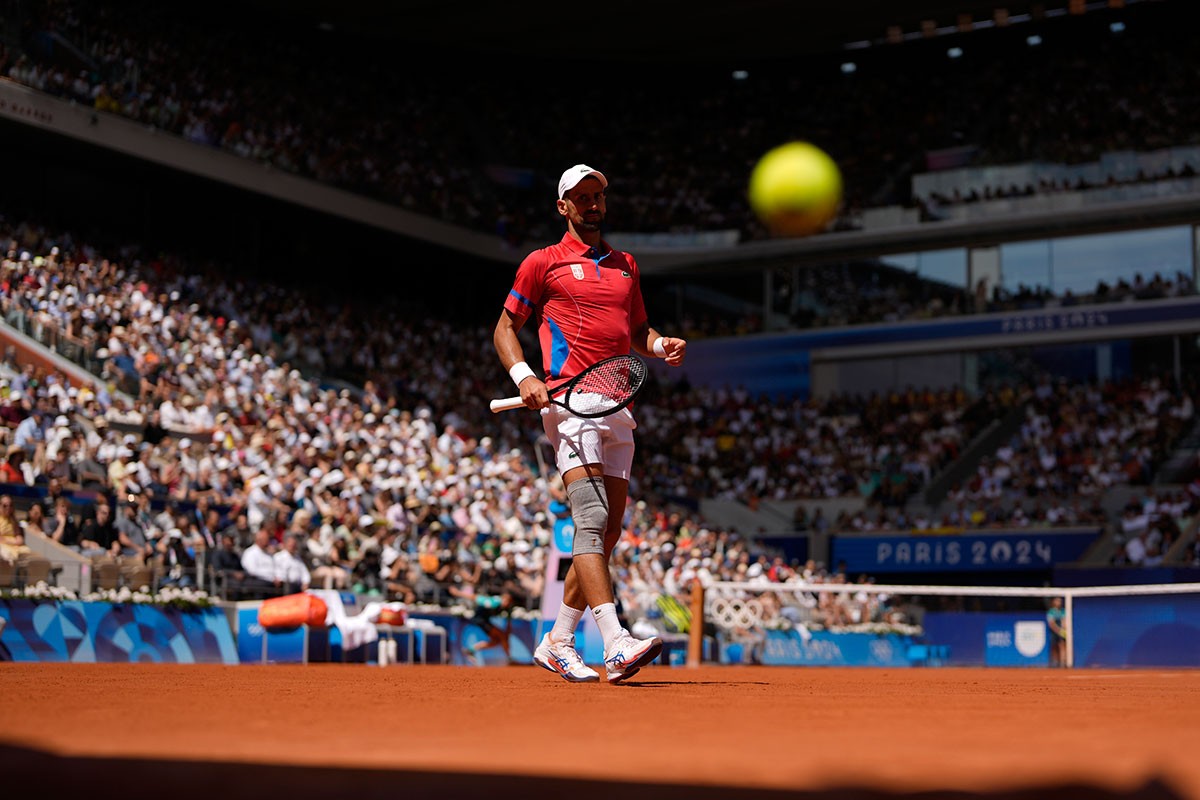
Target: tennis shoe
pixel 626 655
pixel 471 656
pixel 563 659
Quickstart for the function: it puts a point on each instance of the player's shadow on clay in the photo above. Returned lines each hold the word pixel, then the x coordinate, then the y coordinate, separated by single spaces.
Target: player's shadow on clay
pixel 661 684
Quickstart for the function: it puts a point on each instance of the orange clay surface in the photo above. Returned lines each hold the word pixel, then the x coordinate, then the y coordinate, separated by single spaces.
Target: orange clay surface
pixel 808 730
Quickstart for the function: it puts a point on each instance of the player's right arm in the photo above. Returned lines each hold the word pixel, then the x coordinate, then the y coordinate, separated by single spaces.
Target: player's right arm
pixel 508 347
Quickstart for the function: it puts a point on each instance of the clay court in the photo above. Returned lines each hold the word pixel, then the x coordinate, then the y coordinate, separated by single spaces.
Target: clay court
pixel 325 731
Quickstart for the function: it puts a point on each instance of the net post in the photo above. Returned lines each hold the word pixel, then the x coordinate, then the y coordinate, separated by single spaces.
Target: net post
pixel 695 652
pixel 1069 625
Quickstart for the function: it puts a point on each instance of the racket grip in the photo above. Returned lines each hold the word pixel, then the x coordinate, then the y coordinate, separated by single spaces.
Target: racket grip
pixel 506 404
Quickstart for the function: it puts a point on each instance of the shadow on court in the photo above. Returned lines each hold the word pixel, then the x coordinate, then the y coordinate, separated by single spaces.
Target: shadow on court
pixel 61 776
pixel 652 684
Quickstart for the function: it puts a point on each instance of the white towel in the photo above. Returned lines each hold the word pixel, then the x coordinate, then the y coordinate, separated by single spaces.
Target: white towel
pixel 357 630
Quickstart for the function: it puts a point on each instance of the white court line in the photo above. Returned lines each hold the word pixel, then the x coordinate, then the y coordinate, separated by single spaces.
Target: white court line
pixel 1134 674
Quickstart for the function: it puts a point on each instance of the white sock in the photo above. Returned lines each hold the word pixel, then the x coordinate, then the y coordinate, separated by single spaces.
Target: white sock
pixel 566 622
pixel 607 621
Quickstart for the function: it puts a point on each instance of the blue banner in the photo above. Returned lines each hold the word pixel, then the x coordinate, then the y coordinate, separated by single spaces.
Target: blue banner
pixel 1018 643
pixel 961 552
pixel 821 648
pixel 1155 630
pixel 779 363
pixel 76 631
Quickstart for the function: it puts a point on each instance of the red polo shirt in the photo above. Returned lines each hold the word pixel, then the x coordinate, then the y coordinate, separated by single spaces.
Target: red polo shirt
pixel 589 299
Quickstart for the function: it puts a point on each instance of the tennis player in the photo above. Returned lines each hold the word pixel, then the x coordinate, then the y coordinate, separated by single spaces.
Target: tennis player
pixel 589 300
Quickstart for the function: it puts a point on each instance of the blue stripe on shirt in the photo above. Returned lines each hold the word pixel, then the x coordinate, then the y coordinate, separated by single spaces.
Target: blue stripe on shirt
pixel 559 349
pixel 520 298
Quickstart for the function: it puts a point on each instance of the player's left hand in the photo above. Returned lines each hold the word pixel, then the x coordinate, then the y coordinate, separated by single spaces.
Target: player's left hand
pixel 676 349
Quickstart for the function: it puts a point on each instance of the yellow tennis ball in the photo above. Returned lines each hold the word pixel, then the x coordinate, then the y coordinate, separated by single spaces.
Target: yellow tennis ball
pixel 795 189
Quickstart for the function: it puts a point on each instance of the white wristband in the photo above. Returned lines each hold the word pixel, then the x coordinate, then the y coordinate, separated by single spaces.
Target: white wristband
pixel 659 349
pixel 519 372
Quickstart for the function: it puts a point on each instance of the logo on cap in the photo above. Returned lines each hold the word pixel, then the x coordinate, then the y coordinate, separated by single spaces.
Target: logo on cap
pixel 571 178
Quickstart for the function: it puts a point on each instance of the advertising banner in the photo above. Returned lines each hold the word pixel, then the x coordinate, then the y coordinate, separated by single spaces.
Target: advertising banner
pixel 819 648
pixel 1017 643
pixel 960 552
pixel 77 631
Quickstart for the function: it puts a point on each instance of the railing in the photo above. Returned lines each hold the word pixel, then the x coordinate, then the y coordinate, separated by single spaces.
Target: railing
pixel 80 351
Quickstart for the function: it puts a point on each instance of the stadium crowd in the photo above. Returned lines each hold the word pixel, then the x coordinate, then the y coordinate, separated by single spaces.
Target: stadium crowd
pixel 208 435
pixel 327 123
pixel 247 437
pixel 223 466
pixel 320 103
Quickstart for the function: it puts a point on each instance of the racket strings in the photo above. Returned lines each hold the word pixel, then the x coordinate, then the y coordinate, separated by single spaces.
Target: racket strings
pixel 607 385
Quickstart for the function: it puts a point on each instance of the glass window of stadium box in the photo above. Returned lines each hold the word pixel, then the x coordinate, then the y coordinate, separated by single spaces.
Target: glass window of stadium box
pixel 1150 261
pixel 941 266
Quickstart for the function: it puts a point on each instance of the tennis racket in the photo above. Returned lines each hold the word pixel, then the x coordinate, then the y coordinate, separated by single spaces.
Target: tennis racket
pixel 603 388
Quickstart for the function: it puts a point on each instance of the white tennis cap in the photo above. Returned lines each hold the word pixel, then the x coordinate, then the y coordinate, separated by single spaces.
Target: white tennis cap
pixel 571 178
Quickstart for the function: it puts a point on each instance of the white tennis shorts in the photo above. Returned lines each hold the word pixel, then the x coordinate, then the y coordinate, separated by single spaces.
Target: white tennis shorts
pixel 607 441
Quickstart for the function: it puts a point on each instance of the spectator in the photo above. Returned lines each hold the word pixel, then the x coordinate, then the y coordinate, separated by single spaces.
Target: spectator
pixel 243 536
pixel 135 544
pixel 258 563
pixel 98 536
pixel 11 470
pixel 12 536
pixel 54 491
pixel 65 529
pixel 226 565
pixel 290 569
pixel 30 435
pixel 90 473
pixel 36 521
pixel 178 565
pixel 329 556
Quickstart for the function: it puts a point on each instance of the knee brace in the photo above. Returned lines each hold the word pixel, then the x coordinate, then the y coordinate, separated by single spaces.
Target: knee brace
pixel 589 510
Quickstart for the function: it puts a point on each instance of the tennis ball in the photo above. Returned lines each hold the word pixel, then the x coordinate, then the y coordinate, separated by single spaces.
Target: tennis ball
pixel 795 189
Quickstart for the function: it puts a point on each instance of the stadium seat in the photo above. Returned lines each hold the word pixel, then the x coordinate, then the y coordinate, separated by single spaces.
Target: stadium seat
pixel 137 576
pixel 106 575
pixel 35 570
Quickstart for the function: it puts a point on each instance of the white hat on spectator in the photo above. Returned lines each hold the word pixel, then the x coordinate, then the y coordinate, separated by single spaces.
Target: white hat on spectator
pixel 61 421
pixel 571 178
pixel 366 521
pixel 185 443
pixel 333 477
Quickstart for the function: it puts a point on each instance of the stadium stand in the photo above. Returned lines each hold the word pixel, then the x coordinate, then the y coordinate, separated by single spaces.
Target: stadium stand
pixel 208 402
pixel 399 133
pixel 213 413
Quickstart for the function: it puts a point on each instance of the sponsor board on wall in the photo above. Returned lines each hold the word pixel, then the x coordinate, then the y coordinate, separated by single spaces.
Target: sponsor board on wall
pixel 957 552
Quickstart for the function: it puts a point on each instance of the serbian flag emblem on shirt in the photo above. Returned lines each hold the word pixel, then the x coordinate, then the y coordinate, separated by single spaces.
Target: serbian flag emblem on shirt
pixel 577 271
